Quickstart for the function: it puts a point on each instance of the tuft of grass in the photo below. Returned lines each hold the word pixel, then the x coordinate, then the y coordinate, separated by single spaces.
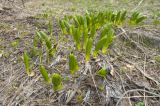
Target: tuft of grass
pixel 56 81
pixel 73 64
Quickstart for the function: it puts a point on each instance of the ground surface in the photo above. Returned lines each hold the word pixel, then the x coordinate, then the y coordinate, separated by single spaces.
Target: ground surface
pixel 136 73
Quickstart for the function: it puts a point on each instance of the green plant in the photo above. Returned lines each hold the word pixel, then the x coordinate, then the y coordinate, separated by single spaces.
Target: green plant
pixel 85 34
pixel 88 48
pixel 26 63
pixel 105 30
pixel 79 97
pixel 99 45
pixel 76 21
pixel 102 72
pixel 73 64
pixel 93 31
pixel 140 104
pixel 47 41
pixel 76 37
pixel 56 81
pixel 14 43
pixel 120 17
pixel 44 73
pixel 104 41
pixel 157 58
pixel 109 15
pixel 64 26
pixel 136 18
pixel 35 51
pixel 109 40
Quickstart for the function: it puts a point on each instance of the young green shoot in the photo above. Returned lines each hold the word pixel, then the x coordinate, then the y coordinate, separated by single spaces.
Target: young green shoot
pixel 93 31
pixel 62 26
pixel 56 81
pixel 136 18
pixel 73 64
pixel 44 73
pixel 47 41
pixel 85 34
pixel 105 30
pixel 76 37
pixel 88 48
pixel 99 45
pixel 35 51
pixel 27 64
pixel 102 72
pixel 109 40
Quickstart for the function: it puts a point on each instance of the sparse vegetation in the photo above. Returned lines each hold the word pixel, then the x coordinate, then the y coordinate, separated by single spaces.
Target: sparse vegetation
pixel 80 53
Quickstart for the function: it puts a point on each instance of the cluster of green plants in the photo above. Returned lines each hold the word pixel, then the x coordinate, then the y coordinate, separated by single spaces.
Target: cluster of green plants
pixel 83 30
pixel 92 33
